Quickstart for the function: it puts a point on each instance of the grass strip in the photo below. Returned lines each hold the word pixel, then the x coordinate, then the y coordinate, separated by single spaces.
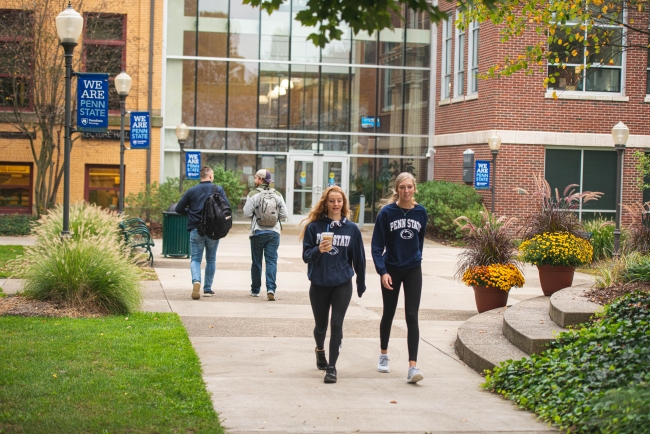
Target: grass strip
pixel 135 374
pixel 7 253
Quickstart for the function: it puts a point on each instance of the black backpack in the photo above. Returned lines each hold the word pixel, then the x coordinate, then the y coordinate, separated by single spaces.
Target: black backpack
pixel 216 217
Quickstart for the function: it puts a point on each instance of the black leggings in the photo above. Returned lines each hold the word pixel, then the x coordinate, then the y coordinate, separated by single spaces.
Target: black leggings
pixel 322 297
pixel 412 280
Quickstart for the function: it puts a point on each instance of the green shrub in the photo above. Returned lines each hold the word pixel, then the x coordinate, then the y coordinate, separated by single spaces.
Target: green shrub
pixel 624 410
pixel 637 270
pixel 562 383
pixel 93 268
pixel 602 237
pixel 15 224
pixel 445 202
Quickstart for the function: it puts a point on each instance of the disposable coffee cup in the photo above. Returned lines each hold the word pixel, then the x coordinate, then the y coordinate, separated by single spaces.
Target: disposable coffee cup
pixel 328 236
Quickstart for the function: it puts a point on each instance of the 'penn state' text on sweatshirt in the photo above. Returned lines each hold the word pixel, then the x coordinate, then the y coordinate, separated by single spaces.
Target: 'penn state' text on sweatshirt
pixel 398 238
pixel 335 267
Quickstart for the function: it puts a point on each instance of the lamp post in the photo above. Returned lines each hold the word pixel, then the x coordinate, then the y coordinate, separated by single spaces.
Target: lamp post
pixel 430 153
pixel 123 86
pixel 620 133
pixel 69 25
pixel 494 142
pixel 181 134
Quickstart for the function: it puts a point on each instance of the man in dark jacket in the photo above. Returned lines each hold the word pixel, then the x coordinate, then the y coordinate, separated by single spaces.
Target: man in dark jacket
pixel 191 204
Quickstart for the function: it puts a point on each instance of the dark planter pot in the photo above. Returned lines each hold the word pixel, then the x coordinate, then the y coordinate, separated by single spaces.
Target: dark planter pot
pixel 555 277
pixel 489 297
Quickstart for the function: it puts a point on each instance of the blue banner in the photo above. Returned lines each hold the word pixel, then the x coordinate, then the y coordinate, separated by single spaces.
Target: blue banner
pixel 92 102
pixel 192 165
pixel 140 130
pixel 482 175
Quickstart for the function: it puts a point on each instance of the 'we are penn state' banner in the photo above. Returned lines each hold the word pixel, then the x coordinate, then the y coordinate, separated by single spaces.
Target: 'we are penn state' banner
pixel 92 102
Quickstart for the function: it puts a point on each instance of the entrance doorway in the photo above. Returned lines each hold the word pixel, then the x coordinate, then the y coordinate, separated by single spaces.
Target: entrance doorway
pixel 308 176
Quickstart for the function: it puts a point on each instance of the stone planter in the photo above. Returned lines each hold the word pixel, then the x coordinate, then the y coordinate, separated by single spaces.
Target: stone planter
pixel 555 277
pixel 489 297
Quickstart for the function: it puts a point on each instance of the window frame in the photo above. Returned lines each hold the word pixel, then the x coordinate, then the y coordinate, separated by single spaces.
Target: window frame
pixel 445 64
pixel 87 188
pixel 460 42
pixel 472 56
pixel 23 210
pixel 28 77
pixel 594 66
pixel 105 42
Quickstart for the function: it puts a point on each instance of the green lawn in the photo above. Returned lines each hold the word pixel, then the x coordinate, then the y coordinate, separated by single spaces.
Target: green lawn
pixel 135 374
pixel 7 253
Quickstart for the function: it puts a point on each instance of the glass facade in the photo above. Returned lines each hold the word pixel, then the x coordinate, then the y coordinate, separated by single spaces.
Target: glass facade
pixel 256 92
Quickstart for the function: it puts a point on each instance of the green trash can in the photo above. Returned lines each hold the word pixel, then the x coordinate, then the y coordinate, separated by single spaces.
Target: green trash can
pixel 176 238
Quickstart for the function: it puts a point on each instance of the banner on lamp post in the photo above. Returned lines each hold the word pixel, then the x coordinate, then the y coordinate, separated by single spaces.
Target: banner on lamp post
pixel 92 102
pixel 482 175
pixel 140 128
pixel 192 165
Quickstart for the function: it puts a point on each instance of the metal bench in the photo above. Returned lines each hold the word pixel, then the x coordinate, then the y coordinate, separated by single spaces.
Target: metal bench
pixel 136 234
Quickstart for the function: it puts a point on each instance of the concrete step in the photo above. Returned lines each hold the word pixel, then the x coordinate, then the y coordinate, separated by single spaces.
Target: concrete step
pixel 570 307
pixel 481 344
pixel 529 326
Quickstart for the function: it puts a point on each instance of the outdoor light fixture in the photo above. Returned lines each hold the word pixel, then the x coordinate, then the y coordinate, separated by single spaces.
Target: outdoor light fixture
pixel 69 25
pixel 123 86
pixel 429 155
pixel 620 134
pixel 181 134
pixel 430 152
pixel 494 143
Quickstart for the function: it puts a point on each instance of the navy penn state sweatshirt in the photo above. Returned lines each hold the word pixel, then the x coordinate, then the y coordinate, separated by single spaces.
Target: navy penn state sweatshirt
pixel 335 267
pixel 398 238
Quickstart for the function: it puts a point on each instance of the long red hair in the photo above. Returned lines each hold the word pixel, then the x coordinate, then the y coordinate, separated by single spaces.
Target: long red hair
pixel 320 209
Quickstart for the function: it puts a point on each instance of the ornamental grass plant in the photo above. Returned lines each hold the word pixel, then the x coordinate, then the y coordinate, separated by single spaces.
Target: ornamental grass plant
pixel 93 269
pixel 602 237
pixel 556 248
pixel 637 236
pixel 489 256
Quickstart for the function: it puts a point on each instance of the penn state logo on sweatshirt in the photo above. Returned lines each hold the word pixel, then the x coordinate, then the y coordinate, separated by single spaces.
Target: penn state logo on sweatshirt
pixel 337 241
pixel 406 227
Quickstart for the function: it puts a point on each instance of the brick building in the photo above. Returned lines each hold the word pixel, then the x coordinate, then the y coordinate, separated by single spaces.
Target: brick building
pixel 567 139
pixel 116 37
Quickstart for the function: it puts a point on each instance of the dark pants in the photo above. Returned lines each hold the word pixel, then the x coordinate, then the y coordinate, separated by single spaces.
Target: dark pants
pixel 412 280
pixel 264 245
pixel 322 297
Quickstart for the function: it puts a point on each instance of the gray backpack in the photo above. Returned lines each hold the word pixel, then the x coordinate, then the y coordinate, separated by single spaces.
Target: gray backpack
pixel 267 211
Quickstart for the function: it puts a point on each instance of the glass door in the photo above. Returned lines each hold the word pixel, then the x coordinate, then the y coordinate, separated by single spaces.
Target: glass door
pixel 308 176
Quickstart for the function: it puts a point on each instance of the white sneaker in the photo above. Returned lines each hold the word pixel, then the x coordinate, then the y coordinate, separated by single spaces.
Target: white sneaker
pixel 414 375
pixel 382 365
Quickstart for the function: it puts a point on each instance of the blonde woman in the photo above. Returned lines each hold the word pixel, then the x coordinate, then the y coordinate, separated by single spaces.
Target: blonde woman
pixel 397 243
pixel 333 249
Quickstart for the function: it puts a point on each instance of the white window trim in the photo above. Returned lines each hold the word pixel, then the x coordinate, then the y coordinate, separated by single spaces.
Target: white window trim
pixel 459 59
pixel 474 26
pixel 444 63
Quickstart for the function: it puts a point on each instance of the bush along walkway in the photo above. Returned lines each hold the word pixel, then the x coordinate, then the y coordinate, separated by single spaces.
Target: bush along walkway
pixel 594 379
pixel 136 374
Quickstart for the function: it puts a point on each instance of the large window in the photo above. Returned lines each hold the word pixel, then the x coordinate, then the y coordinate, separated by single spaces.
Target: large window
pixel 472 54
pixel 103 185
pixel 591 171
pixel 105 48
pixel 581 66
pixel 459 56
pixel 447 26
pixel 15 188
pixel 16 58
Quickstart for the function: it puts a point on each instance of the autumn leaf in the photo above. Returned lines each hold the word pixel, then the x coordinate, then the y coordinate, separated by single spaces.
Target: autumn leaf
pixel 554 95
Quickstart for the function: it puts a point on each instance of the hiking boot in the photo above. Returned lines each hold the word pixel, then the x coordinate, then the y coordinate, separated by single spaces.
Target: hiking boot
pixel 414 375
pixel 270 296
pixel 208 293
pixel 196 290
pixel 382 365
pixel 330 375
pixel 254 294
pixel 321 360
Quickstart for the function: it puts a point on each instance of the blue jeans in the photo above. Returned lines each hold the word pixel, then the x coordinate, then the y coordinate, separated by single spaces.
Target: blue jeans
pixel 267 245
pixel 197 244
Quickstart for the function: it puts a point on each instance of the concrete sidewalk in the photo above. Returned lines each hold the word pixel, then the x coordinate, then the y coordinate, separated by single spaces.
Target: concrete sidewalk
pixel 258 356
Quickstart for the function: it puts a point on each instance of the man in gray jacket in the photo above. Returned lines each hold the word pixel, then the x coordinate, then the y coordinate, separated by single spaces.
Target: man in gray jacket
pixel 265 239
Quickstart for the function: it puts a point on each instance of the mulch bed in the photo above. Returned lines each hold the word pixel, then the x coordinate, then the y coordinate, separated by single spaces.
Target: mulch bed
pixel 155 229
pixel 17 305
pixel 607 295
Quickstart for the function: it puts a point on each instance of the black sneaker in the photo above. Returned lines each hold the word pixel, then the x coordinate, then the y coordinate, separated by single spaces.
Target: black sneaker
pixel 321 360
pixel 208 293
pixel 330 375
